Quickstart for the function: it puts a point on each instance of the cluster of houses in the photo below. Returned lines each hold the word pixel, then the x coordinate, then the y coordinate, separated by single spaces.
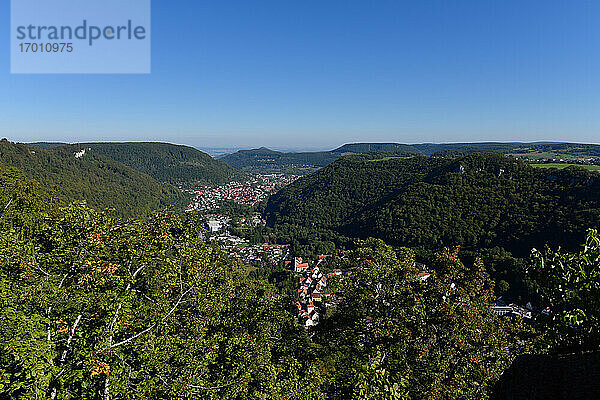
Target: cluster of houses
pixel 216 222
pixel 273 182
pixel 272 253
pixel 533 158
pixel 241 249
pixel 255 220
pixel 313 298
pixel 250 192
pixel 513 310
pixel 227 240
pixel 220 222
pixel 312 295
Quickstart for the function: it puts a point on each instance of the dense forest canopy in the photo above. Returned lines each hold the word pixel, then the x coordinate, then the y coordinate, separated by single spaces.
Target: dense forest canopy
pixel 480 200
pixel 167 162
pixel 99 180
pixel 395 337
pixel 491 205
pixel 47 145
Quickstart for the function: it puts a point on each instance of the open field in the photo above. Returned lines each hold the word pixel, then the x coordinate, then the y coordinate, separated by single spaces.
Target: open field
pixel 564 165
pixel 543 154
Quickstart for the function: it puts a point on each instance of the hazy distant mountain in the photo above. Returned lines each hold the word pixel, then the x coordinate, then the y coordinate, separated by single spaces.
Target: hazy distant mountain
pixel 76 173
pixel 266 160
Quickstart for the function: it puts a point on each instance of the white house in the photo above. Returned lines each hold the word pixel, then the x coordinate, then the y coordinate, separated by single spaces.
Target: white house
pixel 213 225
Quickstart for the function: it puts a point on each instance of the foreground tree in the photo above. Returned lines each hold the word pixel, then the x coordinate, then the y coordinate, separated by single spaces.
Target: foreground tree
pixel 94 307
pixel 396 337
pixel 570 285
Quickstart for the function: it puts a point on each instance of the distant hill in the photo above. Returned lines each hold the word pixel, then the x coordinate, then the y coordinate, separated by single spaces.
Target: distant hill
pixel 97 179
pixel 525 150
pixel 480 200
pixel 358 148
pixel 47 145
pixel 490 205
pixel 168 162
pixel 265 160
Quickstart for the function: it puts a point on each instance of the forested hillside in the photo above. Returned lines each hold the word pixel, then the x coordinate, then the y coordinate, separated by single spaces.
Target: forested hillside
pixel 168 162
pixel 478 200
pixel 486 203
pixel 264 160
pixel 98 180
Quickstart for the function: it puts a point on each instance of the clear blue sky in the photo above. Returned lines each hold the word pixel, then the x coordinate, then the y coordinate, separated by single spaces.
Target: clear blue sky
pixel 316 74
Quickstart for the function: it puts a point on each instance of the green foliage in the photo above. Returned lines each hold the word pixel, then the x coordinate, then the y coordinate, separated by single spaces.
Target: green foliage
pixel 480 202
pixel 97 307
pixel 532 150
pixel 330 197
pixel 98 180
pixel 565 165
pixel 503 287
pixel 264 160
pixel 168 162
pixel 20 203
pixel 396 337
pixel 570 284
pixel 304 241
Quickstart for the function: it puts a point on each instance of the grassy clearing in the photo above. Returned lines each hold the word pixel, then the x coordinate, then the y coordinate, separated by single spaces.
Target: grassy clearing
pixel 565 165
pixel 538 155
